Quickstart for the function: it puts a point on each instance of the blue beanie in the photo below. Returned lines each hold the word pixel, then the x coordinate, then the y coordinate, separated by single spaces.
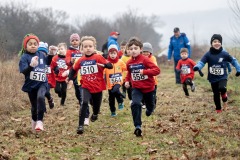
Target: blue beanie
pixel 43 46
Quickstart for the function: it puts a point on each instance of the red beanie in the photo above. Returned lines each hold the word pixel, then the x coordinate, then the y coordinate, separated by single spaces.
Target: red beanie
pixel 27 38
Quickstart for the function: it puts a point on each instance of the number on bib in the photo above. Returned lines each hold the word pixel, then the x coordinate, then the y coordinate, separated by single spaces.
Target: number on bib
pixel 138 77
pixel 216 71
pixel 89 69
pixel 38 76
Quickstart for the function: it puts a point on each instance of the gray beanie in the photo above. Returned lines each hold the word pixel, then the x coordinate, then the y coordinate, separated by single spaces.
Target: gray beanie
pixel 147 47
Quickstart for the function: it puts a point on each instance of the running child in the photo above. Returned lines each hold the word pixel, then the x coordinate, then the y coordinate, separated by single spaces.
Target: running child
pixel 217 60
pixel 61 70
pixel 32 65
pixel 114 79
pixel 91 66
pixel 141 72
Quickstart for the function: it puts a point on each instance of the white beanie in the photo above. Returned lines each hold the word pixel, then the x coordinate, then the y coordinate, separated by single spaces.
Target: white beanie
pixel 112 47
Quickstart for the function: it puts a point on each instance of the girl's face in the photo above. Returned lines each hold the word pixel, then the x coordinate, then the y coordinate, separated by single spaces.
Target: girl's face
pixel 62 50
pixel 75 43
pixel 146 53
pixel 32 46
pixel 113 54
pixel 88 47
pixel 216 44
pixel 184 55
pixel 135 50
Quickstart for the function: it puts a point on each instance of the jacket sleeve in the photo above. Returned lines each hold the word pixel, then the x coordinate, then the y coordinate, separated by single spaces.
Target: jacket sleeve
pixel 24 66
pixel 151 68
pixel 170 49
pixel 178 67
pixel 187 45
pixel 235 63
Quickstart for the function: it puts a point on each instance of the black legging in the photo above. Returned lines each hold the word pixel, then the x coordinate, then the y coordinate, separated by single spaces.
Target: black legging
pixel 217 88
pixel 61 90
pixel 96 100
pixel 37 100
pixel 188 81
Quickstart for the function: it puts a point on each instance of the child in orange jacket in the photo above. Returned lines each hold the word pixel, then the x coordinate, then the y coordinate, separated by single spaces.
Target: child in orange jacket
pixel 114 79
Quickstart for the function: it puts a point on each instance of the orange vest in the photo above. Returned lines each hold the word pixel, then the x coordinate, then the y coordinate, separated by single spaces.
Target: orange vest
pixel 125 59
pixel 154 60
pixel 114 75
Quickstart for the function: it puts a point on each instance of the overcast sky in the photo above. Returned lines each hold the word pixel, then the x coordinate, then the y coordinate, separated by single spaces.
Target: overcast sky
pixel 207 16
pixel 108 8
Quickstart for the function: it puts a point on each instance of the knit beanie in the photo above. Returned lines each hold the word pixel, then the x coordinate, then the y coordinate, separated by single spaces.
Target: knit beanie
pixel 184 50
pixel 43 46
pixel 25 40
pixel 74 36
pixel 216 36
pixel 112 47
pixel 147 47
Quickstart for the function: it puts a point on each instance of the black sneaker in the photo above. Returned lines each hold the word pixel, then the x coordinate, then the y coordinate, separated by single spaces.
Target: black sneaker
pixel 148 113
pixel 94 117
pixel 51 103
pixel 80 130
pixel 138 132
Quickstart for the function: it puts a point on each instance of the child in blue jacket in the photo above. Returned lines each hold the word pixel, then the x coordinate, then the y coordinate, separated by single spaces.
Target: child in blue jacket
pixel 217 60
pixel 32 65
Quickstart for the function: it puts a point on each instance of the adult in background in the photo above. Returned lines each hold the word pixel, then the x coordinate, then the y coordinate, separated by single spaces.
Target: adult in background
pixel 112 39
pixel 178 41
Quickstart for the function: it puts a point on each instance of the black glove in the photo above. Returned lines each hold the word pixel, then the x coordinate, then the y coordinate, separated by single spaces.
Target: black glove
pixel 116 88
pixel 195 68
pixel 56 70
pixel 200 73
pixel 178 70
pixel 237 74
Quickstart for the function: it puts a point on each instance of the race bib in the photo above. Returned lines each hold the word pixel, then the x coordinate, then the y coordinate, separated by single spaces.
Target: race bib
pixel 62 64
pixel 115 78
pixel 216 70
pixel 138 77
pixel 185 70
pixel 89 69
pixel 38 76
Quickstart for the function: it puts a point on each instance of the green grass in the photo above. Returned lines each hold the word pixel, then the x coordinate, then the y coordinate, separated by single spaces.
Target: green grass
pixel 180 128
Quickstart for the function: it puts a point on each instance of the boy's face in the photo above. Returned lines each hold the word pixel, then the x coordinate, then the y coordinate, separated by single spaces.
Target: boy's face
pixel 146 53
pixel 75 43
pixel 134 50
pixel 113 54
pixel 32 46
pixel 88 47
pixel 184 55
pixel 62 50
pixel 216 44
pixel 123 49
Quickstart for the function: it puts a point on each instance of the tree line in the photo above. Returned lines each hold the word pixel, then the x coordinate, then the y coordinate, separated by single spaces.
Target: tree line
pixel 54 26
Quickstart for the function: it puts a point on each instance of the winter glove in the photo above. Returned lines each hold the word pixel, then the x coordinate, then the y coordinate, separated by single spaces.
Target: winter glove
pixel 65 73
pixel 237 74
pixel 56 70
pixel 34 61
pixel 178 70
pixel 200 73
pixel 115 88
pixel 195 68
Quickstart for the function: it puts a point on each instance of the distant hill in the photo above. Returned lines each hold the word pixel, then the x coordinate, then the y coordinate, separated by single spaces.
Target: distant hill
pixel 201 24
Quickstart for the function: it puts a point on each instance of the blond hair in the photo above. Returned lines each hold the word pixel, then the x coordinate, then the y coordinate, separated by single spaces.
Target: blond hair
pixel 91 38
pixel 62 44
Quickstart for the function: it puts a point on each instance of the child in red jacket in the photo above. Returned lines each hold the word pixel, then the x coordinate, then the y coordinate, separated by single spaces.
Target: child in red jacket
pixel 141 72
pixel 185 67
pixel 91 66
pixel 61 71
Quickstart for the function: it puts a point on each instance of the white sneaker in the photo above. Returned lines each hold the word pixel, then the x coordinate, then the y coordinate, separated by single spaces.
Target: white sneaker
pixel 143 106
pixel 86 122
pixel 34 123
pixel 39 126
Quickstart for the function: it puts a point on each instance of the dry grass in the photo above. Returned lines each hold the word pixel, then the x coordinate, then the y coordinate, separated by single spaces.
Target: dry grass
pixel 180 128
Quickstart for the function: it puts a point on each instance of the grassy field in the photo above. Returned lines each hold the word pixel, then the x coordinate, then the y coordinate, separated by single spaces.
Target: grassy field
pixel 180 129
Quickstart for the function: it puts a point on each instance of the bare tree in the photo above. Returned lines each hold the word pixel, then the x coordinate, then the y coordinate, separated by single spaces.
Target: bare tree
pixel 235 7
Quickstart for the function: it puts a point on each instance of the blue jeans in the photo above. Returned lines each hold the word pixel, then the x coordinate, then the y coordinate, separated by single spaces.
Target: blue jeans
pixel 177 74
pixel 136 107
